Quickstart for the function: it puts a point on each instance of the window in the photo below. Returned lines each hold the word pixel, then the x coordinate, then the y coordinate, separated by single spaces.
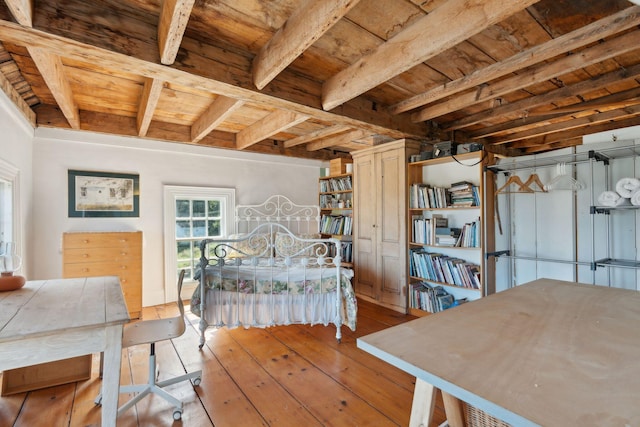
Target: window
pixel 191 215
pixel 9 230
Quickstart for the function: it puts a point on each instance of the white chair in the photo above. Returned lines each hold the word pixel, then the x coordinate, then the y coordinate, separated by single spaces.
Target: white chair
pixel 150 332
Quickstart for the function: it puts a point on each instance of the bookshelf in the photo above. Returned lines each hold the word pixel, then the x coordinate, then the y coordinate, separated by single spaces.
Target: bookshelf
pixel 446 232
pixel 335 194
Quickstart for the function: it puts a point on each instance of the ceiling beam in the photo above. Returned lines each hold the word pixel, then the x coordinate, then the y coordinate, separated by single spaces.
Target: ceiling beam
pixel 537 74
pixel 267 126
pixel 365 118
pixel 315 135
pixel 17 99
pixel 22 11
pixel 221 108
pixel 174 16
pixel 593 32
pixel 418 42
pixel 335 141
pixel 52 71
pixel 305 25
pixel 519 108
pixel 148 102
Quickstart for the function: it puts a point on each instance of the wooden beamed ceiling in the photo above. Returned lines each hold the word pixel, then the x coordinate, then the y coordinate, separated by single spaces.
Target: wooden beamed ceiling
pixel 322 78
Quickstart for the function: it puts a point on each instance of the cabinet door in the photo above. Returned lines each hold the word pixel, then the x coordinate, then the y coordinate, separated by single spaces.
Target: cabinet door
pixel 390 227
pixel 365 232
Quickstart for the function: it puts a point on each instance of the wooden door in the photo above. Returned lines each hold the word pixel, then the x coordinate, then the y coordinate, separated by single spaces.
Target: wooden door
pixel 390 225
pixel 365 232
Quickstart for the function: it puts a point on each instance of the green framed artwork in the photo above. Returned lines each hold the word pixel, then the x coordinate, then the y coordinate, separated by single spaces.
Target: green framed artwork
pixel 103 194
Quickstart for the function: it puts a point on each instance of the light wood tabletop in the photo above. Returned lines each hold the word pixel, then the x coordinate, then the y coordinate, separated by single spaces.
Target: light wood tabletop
pixel 548 353
pixel 51 320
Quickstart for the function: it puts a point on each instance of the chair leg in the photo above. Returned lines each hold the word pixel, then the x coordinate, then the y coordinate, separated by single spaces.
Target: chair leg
pixel 153 386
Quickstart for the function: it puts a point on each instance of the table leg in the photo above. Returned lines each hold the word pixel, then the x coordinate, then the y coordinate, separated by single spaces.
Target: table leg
pixel 111 378
pixel 453 409
pixel 424 401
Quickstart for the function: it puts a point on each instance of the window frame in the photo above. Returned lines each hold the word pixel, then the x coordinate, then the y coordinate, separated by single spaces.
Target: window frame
pixel 11 174
pixel 176 192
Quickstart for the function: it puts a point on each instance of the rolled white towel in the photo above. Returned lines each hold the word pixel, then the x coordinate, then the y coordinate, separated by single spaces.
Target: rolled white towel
pixel 635 198
pixel 626 186
pixel 612 199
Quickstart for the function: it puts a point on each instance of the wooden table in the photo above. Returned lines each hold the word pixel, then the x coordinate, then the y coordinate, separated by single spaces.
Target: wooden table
pixel 56 319
pixel 548 353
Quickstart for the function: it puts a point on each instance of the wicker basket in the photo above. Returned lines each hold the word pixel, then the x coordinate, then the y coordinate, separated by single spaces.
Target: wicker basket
pixel 478 418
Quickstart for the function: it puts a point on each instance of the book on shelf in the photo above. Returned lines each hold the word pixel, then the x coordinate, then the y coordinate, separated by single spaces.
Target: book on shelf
pixel 441 268
pixel 336 184
pixel 431 298
pixel 423 196
pixel 469 235
pixel 336 224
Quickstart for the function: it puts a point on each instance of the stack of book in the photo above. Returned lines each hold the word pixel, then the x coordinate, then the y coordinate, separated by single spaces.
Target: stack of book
pixel 464 194
pixel 335 184
pixel 444 269
pixel 430 298
pixel 470 235
pixel 347 251
pixel 422 196
pixel 336 224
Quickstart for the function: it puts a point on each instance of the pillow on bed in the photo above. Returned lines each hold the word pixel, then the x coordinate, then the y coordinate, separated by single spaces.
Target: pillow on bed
pixel 254 246
pixel 286 245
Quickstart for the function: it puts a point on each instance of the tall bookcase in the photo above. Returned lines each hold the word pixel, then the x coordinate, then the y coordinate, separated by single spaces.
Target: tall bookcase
pixel 454 264
pixel 336 211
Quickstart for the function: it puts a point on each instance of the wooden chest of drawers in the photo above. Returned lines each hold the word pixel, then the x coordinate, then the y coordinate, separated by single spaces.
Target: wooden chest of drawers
pixel 107 254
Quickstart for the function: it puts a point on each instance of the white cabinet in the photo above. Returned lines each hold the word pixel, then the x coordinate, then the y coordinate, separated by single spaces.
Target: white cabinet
pixel 380 232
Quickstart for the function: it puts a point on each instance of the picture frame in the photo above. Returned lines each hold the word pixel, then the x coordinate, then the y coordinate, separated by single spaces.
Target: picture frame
pixel 103 194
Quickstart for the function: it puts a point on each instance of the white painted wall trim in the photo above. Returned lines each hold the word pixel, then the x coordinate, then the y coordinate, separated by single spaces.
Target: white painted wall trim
pixel 11 174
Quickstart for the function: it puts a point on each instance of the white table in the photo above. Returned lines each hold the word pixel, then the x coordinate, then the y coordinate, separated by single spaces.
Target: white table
pixel 548 353
pixel 56 319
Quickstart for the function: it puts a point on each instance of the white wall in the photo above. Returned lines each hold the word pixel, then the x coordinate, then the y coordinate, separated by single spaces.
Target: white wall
pixel 16 150
pixel 254 176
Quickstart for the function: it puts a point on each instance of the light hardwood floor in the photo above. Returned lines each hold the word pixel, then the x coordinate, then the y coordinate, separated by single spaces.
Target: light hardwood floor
pixel 283 376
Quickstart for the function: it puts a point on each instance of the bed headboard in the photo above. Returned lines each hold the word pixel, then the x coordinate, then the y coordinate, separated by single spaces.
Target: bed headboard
pixel 278 209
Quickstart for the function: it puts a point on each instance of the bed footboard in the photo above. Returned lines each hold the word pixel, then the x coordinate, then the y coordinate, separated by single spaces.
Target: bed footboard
pixel 271 277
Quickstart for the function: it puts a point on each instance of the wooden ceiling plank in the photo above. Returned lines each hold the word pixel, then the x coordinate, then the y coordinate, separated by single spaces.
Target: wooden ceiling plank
pixel 52 71
pixel 415 44
pixel 567 125
pixel 334 141
pixel 22 36
pixel 518 107
pixel 174 16
pixel 305 25
pixel 148 102
pixel 576 132
pixel 221 108
pixel 269 125
pixel 576 39
pixel 537 74
pixel 17 99
pixel 22 11
pixel 552 146
pixel 617 100
pixel 318 134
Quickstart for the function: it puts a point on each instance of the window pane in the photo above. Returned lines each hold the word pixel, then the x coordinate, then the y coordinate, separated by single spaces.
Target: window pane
pixel 183 229
pixel 184 250
pixel 214 208
pixel 199 228
pixel 214 227
pixel 182 209
pixel 198 209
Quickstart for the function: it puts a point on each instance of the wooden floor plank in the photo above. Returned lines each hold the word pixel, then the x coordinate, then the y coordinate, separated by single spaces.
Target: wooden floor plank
pixel 383 394
pixel 291 375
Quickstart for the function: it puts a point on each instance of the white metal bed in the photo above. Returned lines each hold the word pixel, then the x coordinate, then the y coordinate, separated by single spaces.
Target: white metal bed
pixel 276 271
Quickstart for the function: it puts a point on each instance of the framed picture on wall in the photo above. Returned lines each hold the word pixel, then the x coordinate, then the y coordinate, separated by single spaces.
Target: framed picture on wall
pixel 103 194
